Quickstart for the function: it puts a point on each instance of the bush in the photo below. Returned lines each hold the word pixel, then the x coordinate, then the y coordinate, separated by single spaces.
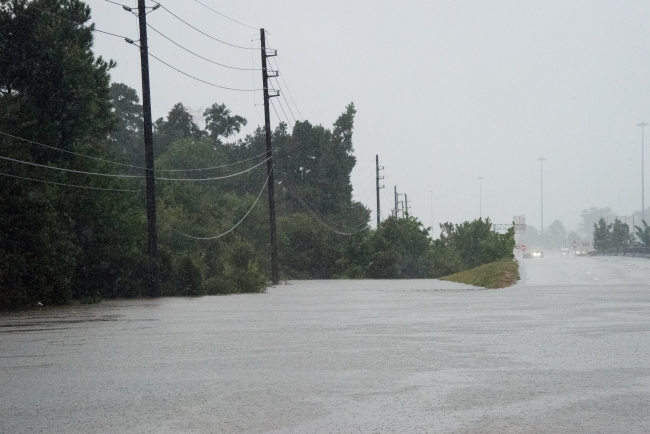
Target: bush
pixel 189 280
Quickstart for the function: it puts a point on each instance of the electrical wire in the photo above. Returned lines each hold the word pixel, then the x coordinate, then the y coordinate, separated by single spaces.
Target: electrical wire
pixel 231 19
pixel 213 167
pixel 277 67
pixel 202 32
pixel 93 29
pixel 67 185
pixel 71 152
pixel 286 101
pixel 70 170
pixel 198 55
pixel 214 178
pixel 315 211
pixel 285 114
pixel 238 223
pixel 131 165
pixel 198 79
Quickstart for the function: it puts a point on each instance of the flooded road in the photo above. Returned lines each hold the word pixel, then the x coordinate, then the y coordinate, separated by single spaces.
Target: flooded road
pixel 567 350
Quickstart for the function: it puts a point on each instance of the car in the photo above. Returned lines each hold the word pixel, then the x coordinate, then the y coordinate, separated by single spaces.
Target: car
pixel 581 252
pixel 535 254
pixel 565 251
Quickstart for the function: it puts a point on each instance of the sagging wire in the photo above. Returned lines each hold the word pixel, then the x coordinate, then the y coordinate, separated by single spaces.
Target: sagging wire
pixel 234 227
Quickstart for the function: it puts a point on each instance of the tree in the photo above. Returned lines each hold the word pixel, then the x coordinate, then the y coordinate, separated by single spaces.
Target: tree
pixel 53 90
pixel 621 236
pixel 179 125
pixel 643 234
pixel 127 138
pixel 602 235
pixel 219 124
pixel 591 217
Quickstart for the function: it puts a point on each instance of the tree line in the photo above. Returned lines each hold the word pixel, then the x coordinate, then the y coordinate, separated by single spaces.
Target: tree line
pixel 80 236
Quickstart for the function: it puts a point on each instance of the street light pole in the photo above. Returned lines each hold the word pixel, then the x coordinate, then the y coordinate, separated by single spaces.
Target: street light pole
pixel 642 124
pixel 480 197
pixel 541 189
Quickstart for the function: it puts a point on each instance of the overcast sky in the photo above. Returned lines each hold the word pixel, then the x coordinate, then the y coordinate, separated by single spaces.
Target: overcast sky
pixel 446 92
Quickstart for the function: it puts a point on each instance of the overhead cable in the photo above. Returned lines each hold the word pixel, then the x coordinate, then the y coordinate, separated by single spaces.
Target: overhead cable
pixel 70 170
pixel 71 152
pixel 277 67
pixel 231 19
pixel 238 223
pixel 213 167
pixel 67 185
pixel 31 6
pixel 198 55
pixel 214 178
pixel 198 79
pixel 203 33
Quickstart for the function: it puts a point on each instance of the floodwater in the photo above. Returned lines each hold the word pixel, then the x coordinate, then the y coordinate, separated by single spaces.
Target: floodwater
pixel 566 350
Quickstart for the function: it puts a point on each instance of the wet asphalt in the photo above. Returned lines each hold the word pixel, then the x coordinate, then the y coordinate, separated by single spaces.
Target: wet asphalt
pixel 566 350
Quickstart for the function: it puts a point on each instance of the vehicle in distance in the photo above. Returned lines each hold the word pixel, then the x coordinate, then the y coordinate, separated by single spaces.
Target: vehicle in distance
pixel 581 252
pixel 565 251
pixel 535 254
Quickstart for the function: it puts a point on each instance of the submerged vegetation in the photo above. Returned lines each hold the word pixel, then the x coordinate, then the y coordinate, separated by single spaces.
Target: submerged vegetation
pixel 67 235
pixel 494 275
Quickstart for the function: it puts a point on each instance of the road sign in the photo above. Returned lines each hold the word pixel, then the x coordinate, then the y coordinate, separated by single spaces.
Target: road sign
pixel 522 247
pixel 574 244
pixel 517 246
pixel 586 243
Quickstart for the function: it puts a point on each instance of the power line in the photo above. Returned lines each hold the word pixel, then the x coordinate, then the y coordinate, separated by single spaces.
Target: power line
pixel 198 55
pixel 210 168
pixel 70 170
pixel 203 33
pixel 287 102
pixel 233 228
pixel 215 178
pixel 130 165
pixel 231 19
pixel 91 27
pixel 71 152
pixel 67 185
pixel 285 114
pixel 195 78
pixel 277 67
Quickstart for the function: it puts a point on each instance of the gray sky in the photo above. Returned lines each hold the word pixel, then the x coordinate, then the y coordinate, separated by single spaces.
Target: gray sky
pixel 446 91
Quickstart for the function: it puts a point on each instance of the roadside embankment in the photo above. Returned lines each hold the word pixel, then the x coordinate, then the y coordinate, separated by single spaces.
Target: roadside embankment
pixel 498 274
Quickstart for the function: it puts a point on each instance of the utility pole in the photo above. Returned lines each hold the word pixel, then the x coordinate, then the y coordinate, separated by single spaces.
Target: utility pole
pixel 154 269
pixel 378 187
pixel 642 124
pixel 541 189
pixel 480 197
pixel 406 204
pixel 396 206
pixel 275 275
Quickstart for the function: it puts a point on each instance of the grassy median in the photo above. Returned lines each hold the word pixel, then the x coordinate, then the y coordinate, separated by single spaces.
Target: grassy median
pixel 493 275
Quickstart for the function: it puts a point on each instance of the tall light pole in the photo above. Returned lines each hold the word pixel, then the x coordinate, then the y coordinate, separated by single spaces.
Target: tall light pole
pixel 541 189
pixel 480 196
pixel 642 124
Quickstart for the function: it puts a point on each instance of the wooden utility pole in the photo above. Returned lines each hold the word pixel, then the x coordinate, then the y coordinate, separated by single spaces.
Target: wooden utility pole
pixel 378 187
pixel 396 206
pixel 406 204
pixel 275 274
pixel 154 275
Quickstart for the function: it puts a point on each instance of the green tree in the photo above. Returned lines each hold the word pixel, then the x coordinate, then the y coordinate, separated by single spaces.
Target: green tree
pixel 127 138
pixel 602 235
pixel 643 234
pixel 53 90
pixel 178 125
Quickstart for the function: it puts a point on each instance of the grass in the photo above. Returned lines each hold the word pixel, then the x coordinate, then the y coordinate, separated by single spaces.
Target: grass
pixel 493 275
